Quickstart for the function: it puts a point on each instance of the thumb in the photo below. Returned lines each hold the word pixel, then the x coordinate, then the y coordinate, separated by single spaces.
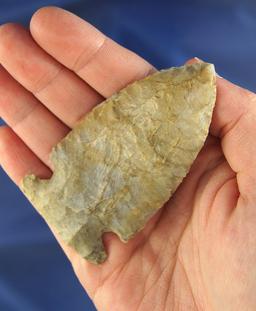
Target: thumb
pixel 234 122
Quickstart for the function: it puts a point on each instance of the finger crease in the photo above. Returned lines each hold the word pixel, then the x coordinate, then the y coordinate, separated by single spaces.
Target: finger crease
pixel 24 117
pixel 231 125
pixel 80 65
pixel 45 85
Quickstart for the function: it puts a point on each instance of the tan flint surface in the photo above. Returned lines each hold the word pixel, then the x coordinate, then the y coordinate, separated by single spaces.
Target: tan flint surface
pixel 125 159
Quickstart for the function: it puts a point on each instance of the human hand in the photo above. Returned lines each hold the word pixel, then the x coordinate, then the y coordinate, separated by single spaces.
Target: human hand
pixel 198 252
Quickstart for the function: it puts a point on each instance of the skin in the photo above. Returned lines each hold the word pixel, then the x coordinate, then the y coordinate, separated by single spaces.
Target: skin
pixel 199 251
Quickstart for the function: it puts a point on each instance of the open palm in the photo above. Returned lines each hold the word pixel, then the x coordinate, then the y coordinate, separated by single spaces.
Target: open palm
pixel 198 252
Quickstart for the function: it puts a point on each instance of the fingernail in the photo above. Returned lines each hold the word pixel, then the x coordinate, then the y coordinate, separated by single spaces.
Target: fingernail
pixel 218 75
pixel 198 59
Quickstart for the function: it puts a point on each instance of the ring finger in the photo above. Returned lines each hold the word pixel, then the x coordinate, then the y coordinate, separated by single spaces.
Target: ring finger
pixel 30 120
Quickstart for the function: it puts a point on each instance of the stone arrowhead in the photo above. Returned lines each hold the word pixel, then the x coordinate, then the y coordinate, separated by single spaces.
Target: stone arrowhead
pixel 124 160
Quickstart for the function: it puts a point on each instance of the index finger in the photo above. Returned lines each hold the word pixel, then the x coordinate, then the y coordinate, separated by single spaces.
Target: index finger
pixel 104 64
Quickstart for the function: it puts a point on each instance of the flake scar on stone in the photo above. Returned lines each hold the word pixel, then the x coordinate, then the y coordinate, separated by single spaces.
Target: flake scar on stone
pixel 125 158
